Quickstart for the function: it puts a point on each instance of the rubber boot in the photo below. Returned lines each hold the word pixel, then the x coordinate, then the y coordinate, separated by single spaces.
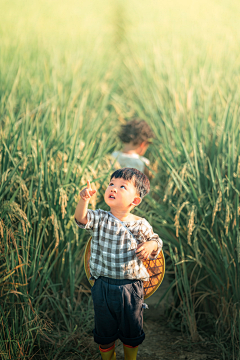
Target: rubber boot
pixel 108 354
pixel 130 353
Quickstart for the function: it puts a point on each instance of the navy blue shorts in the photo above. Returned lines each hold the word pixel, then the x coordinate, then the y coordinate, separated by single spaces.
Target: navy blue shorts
pixel 118 311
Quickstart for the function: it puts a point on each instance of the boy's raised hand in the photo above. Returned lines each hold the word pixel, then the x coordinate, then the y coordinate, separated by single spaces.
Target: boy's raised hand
pixel 87 192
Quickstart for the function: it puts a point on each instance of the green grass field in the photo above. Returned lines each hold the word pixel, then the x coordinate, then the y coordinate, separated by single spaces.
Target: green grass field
pixel 70 73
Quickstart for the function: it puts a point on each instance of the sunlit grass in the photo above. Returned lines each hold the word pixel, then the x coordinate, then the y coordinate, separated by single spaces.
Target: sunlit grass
pixel 70 72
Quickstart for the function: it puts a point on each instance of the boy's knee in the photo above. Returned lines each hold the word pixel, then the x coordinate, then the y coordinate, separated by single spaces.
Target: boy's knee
pixel 107 346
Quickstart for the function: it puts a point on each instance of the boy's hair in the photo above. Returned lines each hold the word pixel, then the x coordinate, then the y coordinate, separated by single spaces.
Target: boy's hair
pixel 136 131
pixel 140 180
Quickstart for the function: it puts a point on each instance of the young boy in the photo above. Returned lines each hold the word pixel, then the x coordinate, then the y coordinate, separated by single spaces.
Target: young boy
pixel 120 241
pixel 135 135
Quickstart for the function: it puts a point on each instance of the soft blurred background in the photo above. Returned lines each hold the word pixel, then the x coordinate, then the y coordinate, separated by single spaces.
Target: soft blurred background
pixel 70 73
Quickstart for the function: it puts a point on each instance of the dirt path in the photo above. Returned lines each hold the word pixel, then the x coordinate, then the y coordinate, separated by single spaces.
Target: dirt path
pixel 163 343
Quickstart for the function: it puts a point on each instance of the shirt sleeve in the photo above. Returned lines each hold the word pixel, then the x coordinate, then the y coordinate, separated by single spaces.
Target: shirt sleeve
pixel 145 160
pixel 149 235
pixel 93 218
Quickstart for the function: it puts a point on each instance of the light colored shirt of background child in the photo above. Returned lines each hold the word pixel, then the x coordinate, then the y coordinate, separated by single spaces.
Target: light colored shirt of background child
pixel 131 160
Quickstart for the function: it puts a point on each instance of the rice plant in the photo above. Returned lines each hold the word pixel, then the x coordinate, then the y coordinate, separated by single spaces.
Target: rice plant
pixel 69 74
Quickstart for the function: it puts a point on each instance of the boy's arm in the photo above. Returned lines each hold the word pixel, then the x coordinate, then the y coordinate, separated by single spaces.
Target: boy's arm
pixel 82 206
pixel 150 248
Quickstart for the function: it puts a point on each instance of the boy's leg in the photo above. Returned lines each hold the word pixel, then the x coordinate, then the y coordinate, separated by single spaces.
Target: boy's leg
pixel 106 326
pixel 108 353
pixel 130 352
pixel 107 346
pixel 131 327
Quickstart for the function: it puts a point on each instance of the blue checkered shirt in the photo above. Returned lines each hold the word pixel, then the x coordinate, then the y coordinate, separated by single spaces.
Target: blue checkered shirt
pixel 113 247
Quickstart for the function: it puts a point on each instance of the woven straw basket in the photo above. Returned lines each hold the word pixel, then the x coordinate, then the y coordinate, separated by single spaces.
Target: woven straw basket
pixel 155 268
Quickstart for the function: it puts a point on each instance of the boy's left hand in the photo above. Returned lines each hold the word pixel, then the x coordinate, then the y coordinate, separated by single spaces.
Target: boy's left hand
pixel 144 250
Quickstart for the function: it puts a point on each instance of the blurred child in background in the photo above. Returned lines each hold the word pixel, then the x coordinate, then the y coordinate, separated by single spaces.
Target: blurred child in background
pixel 135 135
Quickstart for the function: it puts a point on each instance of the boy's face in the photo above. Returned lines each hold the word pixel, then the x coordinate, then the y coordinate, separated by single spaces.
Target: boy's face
pixel 122 194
